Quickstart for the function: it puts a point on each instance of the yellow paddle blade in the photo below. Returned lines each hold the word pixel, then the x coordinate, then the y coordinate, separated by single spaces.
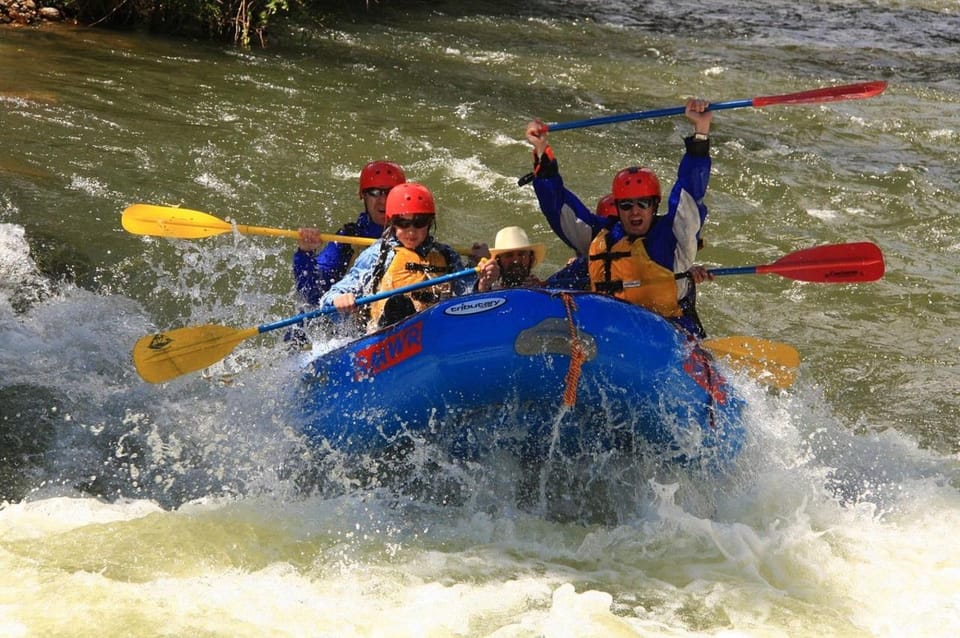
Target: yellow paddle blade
pixel 766 361
pixel 166 355
pixel 183 223
pixel 168 221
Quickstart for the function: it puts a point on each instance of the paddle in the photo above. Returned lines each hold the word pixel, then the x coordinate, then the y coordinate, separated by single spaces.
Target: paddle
pixel 815 96
pixel 773 362
pixel 776 363
pixel 766 361
pixel 830 264
pixel 833 264
pixel 183 223
pixel 165 355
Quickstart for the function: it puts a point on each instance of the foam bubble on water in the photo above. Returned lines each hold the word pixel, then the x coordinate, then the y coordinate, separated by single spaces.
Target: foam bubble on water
pixel 780 550
pixel 91 186
pixel 472 170
pixel 215 183
pixel 587 613
pixel 943 134
pixel 262 84
pixel 52 516
pixel 502 139
pixel 822 213
pixel 494 57
pixel 21 283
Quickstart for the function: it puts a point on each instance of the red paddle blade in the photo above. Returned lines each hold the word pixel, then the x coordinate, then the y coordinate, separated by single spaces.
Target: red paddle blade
pixel 828 94
pixel 836 263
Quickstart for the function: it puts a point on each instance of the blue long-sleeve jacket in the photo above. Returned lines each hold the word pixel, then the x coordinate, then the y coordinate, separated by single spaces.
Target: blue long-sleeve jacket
pixel 315 273
pixel 570 220
pixel 569 217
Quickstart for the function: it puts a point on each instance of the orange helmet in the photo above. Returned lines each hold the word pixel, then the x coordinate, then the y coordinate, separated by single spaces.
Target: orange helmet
pixel 634 182
pixel 607 206
pixel 381 174
pixel 410 198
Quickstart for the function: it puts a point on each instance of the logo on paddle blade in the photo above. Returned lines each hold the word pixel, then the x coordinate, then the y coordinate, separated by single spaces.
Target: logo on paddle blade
pixel 474 307
pixel 159 341
pixel 388 352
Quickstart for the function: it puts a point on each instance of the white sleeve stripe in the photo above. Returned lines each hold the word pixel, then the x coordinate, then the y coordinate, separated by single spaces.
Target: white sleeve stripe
pixel 686 225
pixel 576 230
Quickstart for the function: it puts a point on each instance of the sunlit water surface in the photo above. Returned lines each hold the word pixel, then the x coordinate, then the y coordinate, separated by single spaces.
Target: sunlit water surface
pixel 194 507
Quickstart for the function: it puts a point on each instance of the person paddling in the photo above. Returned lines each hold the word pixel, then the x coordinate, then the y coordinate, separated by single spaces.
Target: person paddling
pixel 406 254
pixel 635 255
pixel 315 271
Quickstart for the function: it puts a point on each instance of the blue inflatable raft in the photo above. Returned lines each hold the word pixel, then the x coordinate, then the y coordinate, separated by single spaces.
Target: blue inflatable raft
pixel 545 372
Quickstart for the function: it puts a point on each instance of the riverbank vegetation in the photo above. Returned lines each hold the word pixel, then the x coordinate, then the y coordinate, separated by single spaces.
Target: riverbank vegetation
pixel 242 21
pixel 245 22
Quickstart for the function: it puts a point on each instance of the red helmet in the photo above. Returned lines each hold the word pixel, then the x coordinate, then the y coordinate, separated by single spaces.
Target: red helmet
pixel 634 182
pixel 410 198
pixel 381 174
pixel 607 206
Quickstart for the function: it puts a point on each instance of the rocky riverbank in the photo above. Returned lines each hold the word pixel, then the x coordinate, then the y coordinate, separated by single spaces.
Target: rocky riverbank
pixel 29 11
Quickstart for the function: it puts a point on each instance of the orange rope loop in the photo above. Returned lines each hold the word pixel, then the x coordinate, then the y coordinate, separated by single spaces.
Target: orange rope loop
pixel 577 355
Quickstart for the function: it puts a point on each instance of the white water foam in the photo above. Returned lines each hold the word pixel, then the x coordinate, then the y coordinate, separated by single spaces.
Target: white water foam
pixel 816 531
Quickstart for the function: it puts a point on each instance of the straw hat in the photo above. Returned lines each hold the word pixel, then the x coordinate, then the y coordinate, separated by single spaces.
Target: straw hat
pixel 515 238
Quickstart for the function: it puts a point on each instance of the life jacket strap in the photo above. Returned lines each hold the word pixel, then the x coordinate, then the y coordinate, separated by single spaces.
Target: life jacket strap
pixel 428 269
pixel 609 287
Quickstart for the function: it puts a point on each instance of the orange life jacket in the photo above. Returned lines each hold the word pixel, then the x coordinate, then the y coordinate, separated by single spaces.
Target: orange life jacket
pixel 407 267
pixel 612 266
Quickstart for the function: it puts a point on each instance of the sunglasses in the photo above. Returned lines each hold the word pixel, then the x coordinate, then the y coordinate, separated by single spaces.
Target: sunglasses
pixel 418 221
pixel 376 192
pixel 643 202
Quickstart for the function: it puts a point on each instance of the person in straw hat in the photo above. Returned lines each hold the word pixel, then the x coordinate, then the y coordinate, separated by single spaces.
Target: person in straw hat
pixel 517 258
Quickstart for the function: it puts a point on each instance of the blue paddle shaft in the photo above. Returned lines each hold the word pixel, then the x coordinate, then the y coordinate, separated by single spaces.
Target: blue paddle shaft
pixel 639 115
pixel 283 323
pixel 644 115
pixel 733 270
pixel 738 270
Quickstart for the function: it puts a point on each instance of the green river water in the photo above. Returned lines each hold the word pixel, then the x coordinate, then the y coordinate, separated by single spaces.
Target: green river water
pixel 142 510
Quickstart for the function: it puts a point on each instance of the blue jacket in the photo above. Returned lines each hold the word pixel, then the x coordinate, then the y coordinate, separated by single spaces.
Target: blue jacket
pixel 569 218
pixel 573 276
pixel 315 273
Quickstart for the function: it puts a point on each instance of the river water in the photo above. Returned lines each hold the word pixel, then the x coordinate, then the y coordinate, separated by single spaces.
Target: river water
pixel 181 509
